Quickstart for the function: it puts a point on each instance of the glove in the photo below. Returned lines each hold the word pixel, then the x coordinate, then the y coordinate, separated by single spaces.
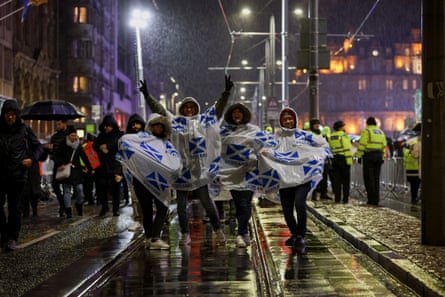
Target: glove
pixel 229 83
pixel 143 88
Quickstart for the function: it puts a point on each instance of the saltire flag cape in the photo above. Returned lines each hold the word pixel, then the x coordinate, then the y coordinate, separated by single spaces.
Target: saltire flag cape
pixel 199 144
pixel 153 161
pixel 238 165
pixel 294 161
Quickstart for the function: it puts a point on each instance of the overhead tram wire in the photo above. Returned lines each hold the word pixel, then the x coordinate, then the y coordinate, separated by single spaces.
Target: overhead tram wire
pixel 359 27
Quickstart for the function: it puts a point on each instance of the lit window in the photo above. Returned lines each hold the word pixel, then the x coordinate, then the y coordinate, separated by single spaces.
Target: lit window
pixel 405 84
pixel 80 84
pixel 389 84
pixel 414 84
pixel 362 84
pixel 80 15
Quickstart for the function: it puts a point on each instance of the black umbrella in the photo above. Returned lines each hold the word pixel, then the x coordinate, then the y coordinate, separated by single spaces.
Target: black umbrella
pixel 51 110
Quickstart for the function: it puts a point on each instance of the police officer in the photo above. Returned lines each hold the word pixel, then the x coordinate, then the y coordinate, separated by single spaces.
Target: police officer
pixel 371 148
pixel 340 145
pixel 411 162
pixel 322 186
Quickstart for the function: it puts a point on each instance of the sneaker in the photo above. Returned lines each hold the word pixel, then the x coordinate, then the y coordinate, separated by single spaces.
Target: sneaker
pixel 158 244
pixel 247 239
pixel 290 241
pixel 240 241
pixel 220 237
pixel 11 245
pixel 185 239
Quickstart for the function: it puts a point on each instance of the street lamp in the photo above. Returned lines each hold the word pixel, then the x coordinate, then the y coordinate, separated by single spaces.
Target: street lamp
pixel 139 21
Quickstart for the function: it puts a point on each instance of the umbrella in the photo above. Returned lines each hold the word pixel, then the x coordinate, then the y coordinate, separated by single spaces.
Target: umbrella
pixel 51 110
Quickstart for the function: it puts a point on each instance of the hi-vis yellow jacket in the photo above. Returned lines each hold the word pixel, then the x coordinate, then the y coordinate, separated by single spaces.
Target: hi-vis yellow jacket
pixel 371 139
pixel 340 144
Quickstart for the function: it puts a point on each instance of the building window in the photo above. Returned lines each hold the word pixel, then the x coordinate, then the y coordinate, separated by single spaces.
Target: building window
pixel 414 84
pixel 388 102
pixel 389 84
pixel 405 84
pixel 80 15
pixel 362 84
pixel 80 84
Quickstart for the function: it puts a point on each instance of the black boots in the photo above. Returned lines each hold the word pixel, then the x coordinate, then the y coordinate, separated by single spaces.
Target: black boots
pixel 69 213
pixel 79 208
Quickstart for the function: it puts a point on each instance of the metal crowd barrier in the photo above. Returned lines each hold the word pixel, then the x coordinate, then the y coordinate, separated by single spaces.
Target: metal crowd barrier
pixel 392 179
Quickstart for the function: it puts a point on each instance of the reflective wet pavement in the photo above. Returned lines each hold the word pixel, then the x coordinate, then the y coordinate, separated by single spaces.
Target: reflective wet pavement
pixel 94 256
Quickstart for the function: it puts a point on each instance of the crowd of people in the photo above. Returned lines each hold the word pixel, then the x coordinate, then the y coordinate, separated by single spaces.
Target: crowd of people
pixel 189 153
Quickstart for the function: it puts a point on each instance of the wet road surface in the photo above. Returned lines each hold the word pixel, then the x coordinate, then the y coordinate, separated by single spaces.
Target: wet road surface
pixel 328 267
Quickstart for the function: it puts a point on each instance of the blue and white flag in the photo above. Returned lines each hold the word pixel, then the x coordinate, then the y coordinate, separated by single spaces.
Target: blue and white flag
pixel 152 161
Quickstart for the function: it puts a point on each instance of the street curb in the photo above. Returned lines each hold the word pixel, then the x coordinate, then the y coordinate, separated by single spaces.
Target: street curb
pixel 400 267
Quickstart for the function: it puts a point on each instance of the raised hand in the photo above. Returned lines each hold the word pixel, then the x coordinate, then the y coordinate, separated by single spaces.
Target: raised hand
pixel 143 88
pixel 229 83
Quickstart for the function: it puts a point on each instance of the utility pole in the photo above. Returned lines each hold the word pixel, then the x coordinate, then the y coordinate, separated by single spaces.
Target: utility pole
pixel 313 64
pixel 433 123
pixel 284 54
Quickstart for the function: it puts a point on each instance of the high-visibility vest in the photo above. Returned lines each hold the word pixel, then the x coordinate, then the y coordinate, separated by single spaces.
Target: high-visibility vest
pixel 92 156
pixel 371 139
pixel 409 161
pixel 340 144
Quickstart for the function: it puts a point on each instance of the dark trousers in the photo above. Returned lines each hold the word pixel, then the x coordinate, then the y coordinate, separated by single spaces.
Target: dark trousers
pixel 152 228
pixel 88 187
pixel 414 184
pixel 340 178
pixel 202 194
pixel 295 198
pixel 243 205
pixel 10 225
pixel 372 163
pixel 107 185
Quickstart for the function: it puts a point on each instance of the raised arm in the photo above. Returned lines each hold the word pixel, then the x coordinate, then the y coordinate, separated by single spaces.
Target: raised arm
pixel 222 102
pixel 154 105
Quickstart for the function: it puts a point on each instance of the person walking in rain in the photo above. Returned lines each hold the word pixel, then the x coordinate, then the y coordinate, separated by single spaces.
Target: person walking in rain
pixel 70 153
pixel 109 173
pixel 298 159
pixel 340 145
pixel 238 157
pixel 411 161
pixel 56 139
pixel 19 149
pixel 371 149
pixel 152 163
pixel 135 125
pixel 196 136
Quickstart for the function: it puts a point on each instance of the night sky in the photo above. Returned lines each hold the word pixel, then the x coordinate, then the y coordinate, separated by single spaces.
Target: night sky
pixel 185 37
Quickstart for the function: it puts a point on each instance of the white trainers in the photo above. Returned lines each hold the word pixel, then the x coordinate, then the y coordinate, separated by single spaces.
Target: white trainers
pixel 185 239
pixel 240 241
pixel 220 237
pixel 247 239
pixel 158 244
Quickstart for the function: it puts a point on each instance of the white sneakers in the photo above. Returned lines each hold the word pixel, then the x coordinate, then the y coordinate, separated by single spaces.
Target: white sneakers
pixel 240 241
pixel 185 239
pixel 157 244
pixel 220 237
pixel 243 241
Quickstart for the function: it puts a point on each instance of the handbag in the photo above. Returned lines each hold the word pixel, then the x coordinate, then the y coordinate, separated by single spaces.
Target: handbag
pixel 65 173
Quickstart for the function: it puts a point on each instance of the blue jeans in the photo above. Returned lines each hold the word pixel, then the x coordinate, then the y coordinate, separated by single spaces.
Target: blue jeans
pixel 202 194
pixel 243 205
pixel 295 198
pixel 77 194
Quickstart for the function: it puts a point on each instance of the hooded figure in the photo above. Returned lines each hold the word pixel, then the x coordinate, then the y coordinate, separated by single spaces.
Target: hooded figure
pixel 135 124
pixel 19 150
pixel 241 142
pixel 298 160
pixel 151 159
pixel 109 173
pixel 196 137
pixel 299 155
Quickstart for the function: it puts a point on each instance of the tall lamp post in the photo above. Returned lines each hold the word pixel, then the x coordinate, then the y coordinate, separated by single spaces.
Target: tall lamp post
pixel 138 21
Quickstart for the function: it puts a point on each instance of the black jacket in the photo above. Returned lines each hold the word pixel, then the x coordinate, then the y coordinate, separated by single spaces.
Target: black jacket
pixel 63 156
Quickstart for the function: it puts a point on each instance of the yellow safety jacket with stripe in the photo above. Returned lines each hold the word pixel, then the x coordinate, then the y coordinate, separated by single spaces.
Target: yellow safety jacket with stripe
pixel 340 144
pixel 371 139
pixel 409 162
